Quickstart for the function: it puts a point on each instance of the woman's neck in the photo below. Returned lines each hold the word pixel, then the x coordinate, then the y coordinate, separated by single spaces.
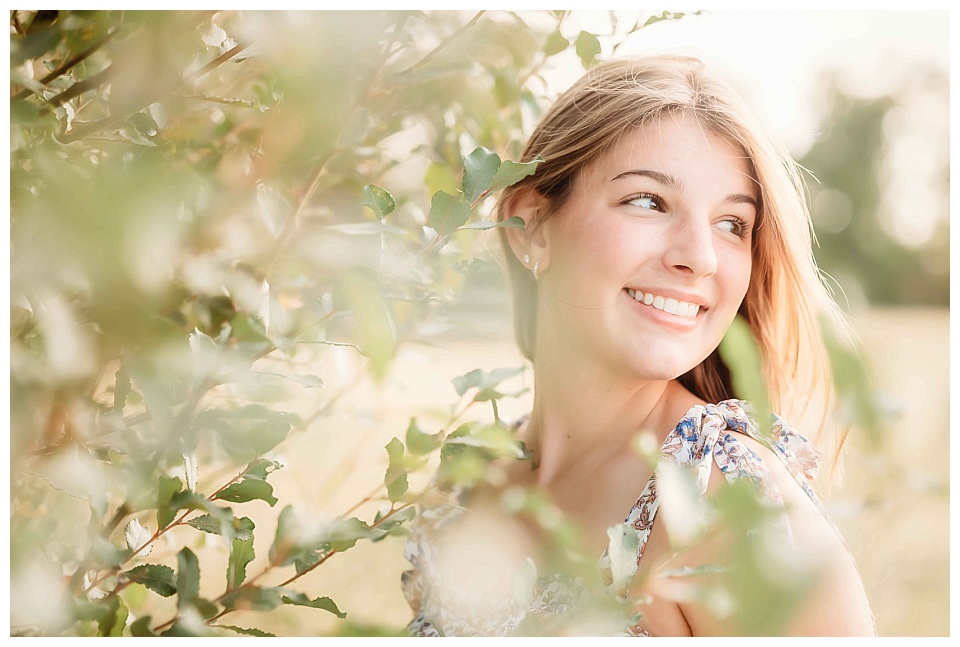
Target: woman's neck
pixel 585 419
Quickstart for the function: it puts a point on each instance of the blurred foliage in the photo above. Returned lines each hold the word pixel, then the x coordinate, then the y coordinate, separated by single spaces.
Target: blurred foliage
pixel 203 203
pixel 854 199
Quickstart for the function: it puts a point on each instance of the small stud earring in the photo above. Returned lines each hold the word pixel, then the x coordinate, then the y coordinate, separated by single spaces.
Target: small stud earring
pixel 526 258
pixel 536 266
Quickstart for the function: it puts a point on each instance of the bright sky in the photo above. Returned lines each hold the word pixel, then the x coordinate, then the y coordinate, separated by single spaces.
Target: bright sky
pixel 777 53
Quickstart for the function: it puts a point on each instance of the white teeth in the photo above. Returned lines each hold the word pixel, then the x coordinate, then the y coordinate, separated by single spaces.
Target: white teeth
pixel 672 306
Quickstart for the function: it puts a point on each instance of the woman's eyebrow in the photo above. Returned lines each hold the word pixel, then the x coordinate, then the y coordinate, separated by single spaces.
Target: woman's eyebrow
pixel 675 184
pixel 662 178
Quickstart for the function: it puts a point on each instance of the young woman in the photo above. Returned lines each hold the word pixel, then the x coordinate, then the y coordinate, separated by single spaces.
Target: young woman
pixel 660 213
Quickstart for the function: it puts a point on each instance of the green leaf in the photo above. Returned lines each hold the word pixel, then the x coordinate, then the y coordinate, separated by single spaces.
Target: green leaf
pixel 439 177
pixel 481 379
pixel 260 468
pixel 588 48
pixel 188 578
pixel 515 222
pixel 479 169
pixel 169 487
pixel 510 173
pixel 324 603
pixel 248 490
pixel 556 43
pixel 247 632
pixel 253 598
pixel 396 476
pixel 115 619
pixel 286 542
pixel 741 353
pixel 447 212
pixel 156 577
pixel 394 524
pixel 379 200
pixel 140 628
pixel 376 331
pixel 622 547
pixel 344 534
pixel 241 554
pixel 496 439
pixel 419 443
pixel 241 528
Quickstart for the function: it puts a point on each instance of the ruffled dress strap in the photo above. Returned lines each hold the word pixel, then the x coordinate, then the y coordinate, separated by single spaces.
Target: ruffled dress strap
pixel 709 433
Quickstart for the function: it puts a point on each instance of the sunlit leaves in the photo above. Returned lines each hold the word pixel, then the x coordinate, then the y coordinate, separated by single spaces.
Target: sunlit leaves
pixel 156 577
pixel 376 331
pixel 420 443
pixel 188 578
pixel 252 598
pixel 623 545
pixel 379 200
pixel 168 489
pixel 114 620
pixel 136 536
pixel 324 603
pixel 447 212
pixel 396 476
pixel 741 354
pixel 241 554
pixel 484 173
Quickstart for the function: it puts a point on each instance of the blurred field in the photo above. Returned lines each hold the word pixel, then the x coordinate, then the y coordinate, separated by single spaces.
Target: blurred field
pixel 893 507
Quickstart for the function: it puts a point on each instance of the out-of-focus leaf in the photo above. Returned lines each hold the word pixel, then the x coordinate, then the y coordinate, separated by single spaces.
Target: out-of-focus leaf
pixel 140 628
pixel 248 490
pixel 741 354
pixel 252 598
pixel 447 212
pixel 495 438
pixel 241 554
pixel 324 603
pixel 113 622
pixel 481 379
pixel 136 536
pixel 682 506
pixel 588 48
pixel 514 222
pixel 247 632
pixel 156 577
pixel 394 524
pixel 420 443
pixel 169 487
pixel 556 43
pixel 396 476
pixel 242 528
pixel 375 327
pixel 439 177
pixel 188 578
pixel 379 200
pixel 622 547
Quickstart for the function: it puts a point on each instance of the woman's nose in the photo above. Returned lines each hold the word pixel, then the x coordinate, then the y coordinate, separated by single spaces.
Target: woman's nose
pixel 691 250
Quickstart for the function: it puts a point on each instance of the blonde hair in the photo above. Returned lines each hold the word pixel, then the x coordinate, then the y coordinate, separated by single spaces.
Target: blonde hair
pixel 786 300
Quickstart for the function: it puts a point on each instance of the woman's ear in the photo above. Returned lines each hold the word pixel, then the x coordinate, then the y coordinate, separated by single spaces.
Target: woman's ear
pixel 529 244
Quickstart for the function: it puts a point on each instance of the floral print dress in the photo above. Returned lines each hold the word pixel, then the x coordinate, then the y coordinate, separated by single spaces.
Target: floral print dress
pixel 706 434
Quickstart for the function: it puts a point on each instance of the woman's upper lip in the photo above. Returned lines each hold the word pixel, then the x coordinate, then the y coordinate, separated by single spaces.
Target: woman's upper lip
pixel 670 293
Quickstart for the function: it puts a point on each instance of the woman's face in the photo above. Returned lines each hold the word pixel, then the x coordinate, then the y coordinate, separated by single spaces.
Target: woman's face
pixel 646 264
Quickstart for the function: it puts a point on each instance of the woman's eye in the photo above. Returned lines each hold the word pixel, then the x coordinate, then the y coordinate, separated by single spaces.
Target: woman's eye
pixel 734 226
pixel 647 201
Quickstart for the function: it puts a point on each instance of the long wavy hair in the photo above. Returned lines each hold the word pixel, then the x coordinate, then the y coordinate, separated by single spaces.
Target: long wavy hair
pixel 787 300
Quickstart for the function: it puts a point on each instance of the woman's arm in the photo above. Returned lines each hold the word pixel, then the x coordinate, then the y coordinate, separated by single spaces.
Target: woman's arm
pixel 834 605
